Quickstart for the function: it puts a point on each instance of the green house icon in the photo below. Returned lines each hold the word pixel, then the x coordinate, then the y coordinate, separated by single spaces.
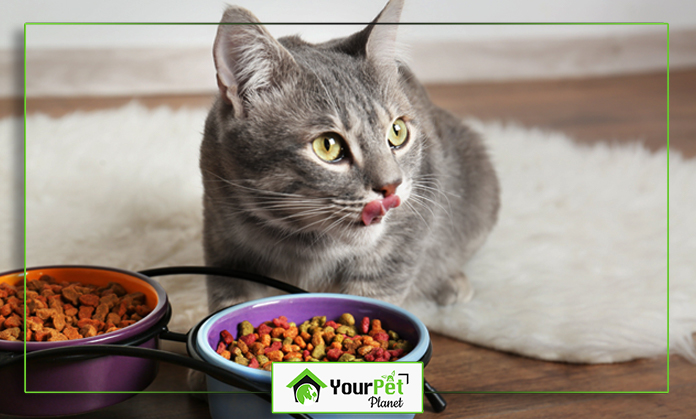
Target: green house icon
pixel 306 387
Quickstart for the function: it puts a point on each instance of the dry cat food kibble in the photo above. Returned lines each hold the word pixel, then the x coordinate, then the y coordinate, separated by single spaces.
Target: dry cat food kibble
pixel 314 340
pixel 61 310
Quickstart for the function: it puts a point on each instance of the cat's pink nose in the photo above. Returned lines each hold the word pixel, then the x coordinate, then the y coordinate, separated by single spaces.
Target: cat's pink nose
pixel 389 189
pixel 375 210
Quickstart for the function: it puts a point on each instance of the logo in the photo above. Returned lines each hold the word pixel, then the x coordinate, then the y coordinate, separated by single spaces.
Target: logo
pixel 306 387
pixel 385 387
pixel 347 387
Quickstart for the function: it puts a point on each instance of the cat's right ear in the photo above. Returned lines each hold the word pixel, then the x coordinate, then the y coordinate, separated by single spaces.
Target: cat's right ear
pixel 247 58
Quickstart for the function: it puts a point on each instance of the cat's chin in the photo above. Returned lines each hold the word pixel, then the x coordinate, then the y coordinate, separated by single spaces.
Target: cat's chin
pixel 362 235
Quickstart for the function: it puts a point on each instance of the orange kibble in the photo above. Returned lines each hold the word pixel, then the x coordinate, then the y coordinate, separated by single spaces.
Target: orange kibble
pixel 277 332
pixel 306 336
pixel 364 350
pixel 88 331
pixel 226 354
pixel 292 355
pixel 13 321
pixel 286 349
pixel 39 335
pixel 70 310
pixel 290 333
pixel 328 334
pixel 300 342
pixel 89 300
pixel 71 332
pixel 265 340
pixel 309 347
pixel 275 356
pixel 242 346
pixel 125 323
pixel 58 310
pixel 257 348
pixel 336 345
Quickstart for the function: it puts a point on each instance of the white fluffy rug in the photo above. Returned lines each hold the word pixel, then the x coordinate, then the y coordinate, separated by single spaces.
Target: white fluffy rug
pixel 576 269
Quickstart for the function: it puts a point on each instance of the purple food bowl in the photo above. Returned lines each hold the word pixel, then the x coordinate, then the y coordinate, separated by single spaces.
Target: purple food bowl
pixel 82 373
pixel 126 360
pixel 297 308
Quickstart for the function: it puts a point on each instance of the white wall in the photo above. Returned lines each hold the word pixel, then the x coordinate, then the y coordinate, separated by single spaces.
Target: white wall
pixel 681 14
pixel 164 59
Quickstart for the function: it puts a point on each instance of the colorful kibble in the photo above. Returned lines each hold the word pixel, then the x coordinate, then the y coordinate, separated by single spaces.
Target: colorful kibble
pixel 312 341
pixel 59 310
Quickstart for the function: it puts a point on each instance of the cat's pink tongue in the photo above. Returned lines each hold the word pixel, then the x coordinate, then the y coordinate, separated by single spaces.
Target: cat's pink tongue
pixel 373 211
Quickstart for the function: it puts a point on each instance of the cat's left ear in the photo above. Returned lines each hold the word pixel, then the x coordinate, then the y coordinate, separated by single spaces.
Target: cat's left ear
pixel 381 42
pixel 248 59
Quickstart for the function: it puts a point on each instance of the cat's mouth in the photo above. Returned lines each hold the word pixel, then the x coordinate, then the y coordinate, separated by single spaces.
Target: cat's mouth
pixel 373 212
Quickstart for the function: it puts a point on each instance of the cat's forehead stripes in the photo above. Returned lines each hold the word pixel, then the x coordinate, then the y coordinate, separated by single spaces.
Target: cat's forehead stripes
pixel 369 123
pixel 365 129
pixel 352 140
pixel 358 115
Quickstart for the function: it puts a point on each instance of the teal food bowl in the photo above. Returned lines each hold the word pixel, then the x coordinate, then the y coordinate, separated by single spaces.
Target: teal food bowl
pixel 297 308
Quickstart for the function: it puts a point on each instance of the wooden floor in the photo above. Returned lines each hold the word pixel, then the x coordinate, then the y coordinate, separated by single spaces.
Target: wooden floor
pixel 616 109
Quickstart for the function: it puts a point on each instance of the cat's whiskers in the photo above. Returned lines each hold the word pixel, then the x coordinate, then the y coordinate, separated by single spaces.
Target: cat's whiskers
pixel 415 211
pixel 434 176
pixel 318 221
pixel 289 233
pixel 300 208
pixel 418 199
pixel 433 180
pixel 287 205
pixel 425 181
pixel 301 214
pixel 305 207
pixel 257 190
pixel 432 189
pixel 423 199
pixel 209 188
pixel 350 203
pixel 333 225
pixel 236 209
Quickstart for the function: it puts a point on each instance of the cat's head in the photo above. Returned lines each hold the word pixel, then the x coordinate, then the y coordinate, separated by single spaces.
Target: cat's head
pixel 315 138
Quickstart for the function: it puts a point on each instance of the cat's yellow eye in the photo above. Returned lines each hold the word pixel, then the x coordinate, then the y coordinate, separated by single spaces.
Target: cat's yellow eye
pixel 328 147
pixel 398 133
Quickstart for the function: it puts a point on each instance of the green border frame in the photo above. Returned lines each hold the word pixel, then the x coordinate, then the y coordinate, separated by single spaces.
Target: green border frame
pixel 333 23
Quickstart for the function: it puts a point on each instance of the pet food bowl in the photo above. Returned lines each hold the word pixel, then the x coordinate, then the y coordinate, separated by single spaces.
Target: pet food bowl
pixel 82 373
pixel 126 360
pixel 203 340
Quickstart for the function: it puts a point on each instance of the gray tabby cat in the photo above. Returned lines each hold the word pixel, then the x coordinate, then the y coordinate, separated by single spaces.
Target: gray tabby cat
pixel 328 167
